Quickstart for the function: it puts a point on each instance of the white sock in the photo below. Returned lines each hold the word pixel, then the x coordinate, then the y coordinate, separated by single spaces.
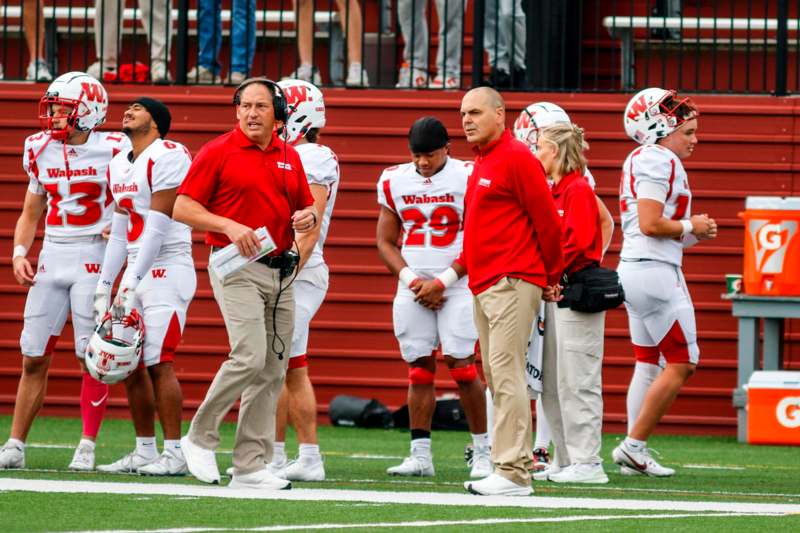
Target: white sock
pixel 146 447
pixel 489 414
pixel 16 442
pixel 421 447
pixel 279 452
pixel 310 451
pixel 481 440
pixel 543 432
pixel 174 446
pixel 644 374
pixel 86 443
pixel 635 445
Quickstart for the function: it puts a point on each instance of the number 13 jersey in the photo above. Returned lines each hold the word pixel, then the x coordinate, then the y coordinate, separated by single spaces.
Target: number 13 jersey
pixel 431 211
pixel 656 173
pixel 75 180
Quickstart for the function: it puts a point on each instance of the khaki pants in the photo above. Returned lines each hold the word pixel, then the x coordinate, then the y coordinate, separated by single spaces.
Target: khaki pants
pixel 108 20
pixel 253 370
pixel 504 317
pixel 573 384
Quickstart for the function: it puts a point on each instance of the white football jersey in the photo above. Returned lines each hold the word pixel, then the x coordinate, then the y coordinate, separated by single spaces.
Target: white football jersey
pixel 431 210
pixel 658 166
pixel 322 168
pixel 161 166
pixel 75 180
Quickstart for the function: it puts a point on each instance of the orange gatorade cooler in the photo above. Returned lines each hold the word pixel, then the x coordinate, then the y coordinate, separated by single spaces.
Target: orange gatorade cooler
pixel 771 246
pixel 773 407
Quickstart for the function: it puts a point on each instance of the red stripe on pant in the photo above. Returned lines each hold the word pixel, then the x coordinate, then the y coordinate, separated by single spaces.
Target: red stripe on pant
pixel 299 361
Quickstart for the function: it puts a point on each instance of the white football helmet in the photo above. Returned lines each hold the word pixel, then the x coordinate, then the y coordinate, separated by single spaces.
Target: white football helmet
pixel 533 118
pixel 651 114
pixel 111 359
pixel 306 108
pixel 84 98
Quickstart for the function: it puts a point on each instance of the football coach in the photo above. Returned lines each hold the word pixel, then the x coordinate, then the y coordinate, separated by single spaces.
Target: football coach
pixel 240 181
pixel 512 253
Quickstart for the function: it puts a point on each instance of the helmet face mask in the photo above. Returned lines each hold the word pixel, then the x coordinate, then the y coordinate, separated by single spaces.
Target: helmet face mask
pixel 655 113
pixel 534 118
pixel 111 359
pixel 84 96
pixel 306 109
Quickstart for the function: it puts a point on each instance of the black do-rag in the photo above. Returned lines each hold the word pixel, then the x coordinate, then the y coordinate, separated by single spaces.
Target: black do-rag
pixel 426 135
pixel 159 112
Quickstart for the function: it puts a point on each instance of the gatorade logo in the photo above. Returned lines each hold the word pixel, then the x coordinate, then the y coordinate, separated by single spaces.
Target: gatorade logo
pixel 771 240
pixel 788 412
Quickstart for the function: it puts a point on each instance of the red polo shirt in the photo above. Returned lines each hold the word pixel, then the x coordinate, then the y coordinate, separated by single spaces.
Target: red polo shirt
pixel 511 227
pixel 580 222
pixel 234 178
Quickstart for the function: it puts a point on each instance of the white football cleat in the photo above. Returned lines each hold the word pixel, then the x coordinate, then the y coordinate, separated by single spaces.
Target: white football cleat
pixel 580 473
pixel 640 461
pixel 168 464
pixel 544 475
pixel 481 462
pixel 12 456
pixel 415 465
pixel 305 469
pixel 628 471
pixel 130 464
pixel 260 479
pixel 497 485
pixel 82 459
pixel 278 466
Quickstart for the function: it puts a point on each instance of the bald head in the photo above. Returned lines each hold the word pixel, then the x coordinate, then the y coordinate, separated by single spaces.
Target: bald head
pixel 483 115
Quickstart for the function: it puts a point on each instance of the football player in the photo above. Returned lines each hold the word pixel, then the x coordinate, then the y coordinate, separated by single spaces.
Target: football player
pixel 297 404
pixel 657 224
pixel 159 281
pixel 424 200
pixel 66 164
pixel 527 128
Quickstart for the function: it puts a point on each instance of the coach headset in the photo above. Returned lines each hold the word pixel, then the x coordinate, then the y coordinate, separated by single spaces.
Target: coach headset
pixel 281 113
pixel 281 108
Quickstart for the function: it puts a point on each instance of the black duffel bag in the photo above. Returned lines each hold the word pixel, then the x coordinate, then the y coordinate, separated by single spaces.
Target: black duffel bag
pixel 359 412
pixel 592 290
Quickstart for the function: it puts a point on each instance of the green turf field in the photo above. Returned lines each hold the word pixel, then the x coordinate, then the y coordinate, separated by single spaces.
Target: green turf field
pixel 741 478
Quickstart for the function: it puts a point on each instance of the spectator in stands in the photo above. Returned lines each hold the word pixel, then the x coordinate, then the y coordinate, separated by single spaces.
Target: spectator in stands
pixel 579 336
pixel 352 22
pixel 504 41
pixel 209 31
pixel 155 17
pixel 512 252
pixel 412 17
pixel 33 25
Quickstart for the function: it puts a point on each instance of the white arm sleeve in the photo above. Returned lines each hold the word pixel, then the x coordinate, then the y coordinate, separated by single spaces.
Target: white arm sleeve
pixel 156 227
pixel 116 250
pixel 653 190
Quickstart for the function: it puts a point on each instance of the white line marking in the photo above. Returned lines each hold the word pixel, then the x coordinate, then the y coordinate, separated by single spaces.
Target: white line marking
pixel 715 467
pixel 432 523
pixel 170 489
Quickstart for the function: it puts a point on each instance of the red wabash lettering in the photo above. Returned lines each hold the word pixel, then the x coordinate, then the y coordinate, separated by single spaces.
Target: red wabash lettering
pixel 92 268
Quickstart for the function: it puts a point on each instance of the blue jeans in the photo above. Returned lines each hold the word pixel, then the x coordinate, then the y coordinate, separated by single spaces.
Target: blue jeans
pixel 243 34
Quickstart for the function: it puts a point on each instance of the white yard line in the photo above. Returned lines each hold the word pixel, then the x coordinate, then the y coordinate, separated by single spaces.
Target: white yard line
pixel 428 523
pixel 429 498
pixel 714 467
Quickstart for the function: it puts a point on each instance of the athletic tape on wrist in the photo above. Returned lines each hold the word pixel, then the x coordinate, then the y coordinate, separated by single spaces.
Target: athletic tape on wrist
pixel 687 227
pixel 407 276
pixel 448 277
pixel 19 251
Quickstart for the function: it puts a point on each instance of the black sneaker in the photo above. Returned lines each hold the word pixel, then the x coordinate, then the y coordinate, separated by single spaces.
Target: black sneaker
pixel 500 79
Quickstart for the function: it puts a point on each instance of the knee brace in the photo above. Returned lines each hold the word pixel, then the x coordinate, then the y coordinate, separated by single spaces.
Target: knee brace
pixel 464 374
pixel 420 376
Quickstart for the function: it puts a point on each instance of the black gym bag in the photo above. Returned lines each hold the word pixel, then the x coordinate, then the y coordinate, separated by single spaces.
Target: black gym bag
pixel 592 290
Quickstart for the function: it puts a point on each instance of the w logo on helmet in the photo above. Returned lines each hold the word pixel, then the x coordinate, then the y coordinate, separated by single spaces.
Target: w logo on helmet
pixel 297 93
pixel 93 92
pixel 637 107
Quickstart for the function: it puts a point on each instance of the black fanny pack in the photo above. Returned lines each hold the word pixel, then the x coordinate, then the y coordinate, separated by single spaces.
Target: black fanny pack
pixel 592 290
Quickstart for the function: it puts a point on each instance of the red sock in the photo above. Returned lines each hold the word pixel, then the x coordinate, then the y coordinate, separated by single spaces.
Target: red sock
pixel 94 396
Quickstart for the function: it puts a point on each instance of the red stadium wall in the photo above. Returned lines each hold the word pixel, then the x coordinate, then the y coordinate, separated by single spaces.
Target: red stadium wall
pixel 748 146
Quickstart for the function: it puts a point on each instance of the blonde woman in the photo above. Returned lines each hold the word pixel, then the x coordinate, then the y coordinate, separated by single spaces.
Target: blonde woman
pixel 576 415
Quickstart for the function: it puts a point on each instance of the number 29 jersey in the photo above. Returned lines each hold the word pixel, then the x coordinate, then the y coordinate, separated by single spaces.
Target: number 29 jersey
pixel 75 180
pixel 431 211
pixel 661 170
pixel 161 166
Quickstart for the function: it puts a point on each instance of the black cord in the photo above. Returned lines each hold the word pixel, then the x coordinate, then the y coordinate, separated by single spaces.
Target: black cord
pixel 281 288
